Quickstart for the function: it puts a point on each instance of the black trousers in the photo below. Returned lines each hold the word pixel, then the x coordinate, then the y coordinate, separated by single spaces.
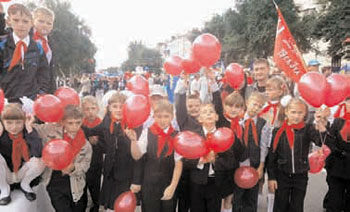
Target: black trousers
pixel 245 200
pixel 338 194
pixel 290 193
pixel 151 199
pixel 183 192
pixel 205 198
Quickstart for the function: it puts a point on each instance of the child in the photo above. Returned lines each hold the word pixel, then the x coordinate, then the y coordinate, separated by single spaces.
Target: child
pixel 118 167
pixel 338 162
pixel 93 176
pixel 24 66
pixel 256 137
pixel 229 116
pixel 20 153
pixel 288 156
pixel 67 188
pixel 43 25
pixel 162 167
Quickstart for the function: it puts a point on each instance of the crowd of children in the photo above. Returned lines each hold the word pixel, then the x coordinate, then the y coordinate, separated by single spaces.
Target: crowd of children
pixel 271 129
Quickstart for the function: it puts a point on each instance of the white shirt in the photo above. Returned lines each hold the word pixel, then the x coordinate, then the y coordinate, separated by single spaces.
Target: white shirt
pixel 201 166
pixel 26 40
pixel 142 143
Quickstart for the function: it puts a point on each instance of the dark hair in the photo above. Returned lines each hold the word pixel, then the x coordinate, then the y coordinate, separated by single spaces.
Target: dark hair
pixel 72 112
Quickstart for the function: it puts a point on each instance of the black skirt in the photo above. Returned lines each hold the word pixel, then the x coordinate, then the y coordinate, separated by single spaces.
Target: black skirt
pixel 225 182
pixel 110 191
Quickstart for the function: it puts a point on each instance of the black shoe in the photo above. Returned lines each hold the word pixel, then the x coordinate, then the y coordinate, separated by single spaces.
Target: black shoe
pixel 31 196
pixel 5 200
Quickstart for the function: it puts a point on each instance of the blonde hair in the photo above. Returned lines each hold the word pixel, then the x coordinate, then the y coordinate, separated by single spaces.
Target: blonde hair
pixel 258 96
pixel 164 106
pixel 72 112
pixel 89 99
pixel 234 99
pixel 279 83
pixel 13 111
pixel 293 101
pixel 19 8
pixel 117 98
pixel 44 11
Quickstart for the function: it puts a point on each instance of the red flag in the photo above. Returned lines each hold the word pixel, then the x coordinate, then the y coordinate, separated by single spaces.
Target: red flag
pixel 286 54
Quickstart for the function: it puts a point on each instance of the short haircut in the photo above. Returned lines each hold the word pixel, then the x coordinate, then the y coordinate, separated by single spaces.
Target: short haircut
pixel 294 101
pixel 234 99
pixel 194 96
pixel 258 96
pixel 278 82
pixel 44 11
pixel 13 111
pixel 117 98
pixel 89 99
pixel 207 105
pixel 19 8
pixel 72 112
pixel 164 106
pixel 261 61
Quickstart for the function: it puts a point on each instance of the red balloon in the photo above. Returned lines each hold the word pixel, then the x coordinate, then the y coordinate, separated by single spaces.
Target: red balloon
pixel 336 89
pixel 221 140
pixel 316 162
pixel 312 87
pixel 57 154
pixel 48 108
pixel 190 145
pixel 126 202
pixel 2 100
pixel 234 75
pixel 326 151
pixel 68 96
pixel 138 85
pixel 246 177
pixel 5 0
pixel 206 49
pixel 136 110
pixel 190 65
pixel 173 65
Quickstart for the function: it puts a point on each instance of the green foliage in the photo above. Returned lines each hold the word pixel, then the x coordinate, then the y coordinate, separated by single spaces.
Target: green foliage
pixel 333 25
pixel 74 50
pixel 140 55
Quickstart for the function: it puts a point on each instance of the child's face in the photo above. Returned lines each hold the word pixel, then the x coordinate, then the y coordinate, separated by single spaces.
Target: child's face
pixel 163 119
pixel 43 24
pixel 207 115
pixel 90 110
pixel 193 107
pixel 13 126
pixel 72 125
pixel 21 24
pixel 273 93
pixel 254 107
pixel 116 110
pixel 295 113
pixel 233 111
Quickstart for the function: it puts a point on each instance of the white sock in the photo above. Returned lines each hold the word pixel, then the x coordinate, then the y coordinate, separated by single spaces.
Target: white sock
pixel 270 202
pixel 226 210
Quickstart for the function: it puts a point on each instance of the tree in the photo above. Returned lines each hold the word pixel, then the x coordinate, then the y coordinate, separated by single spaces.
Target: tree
pixel 140 55
pixel 74 50
pixel 248 31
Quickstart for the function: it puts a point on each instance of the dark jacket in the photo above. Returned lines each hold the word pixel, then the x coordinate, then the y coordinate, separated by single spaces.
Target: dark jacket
pixel 32 139
pixel 283 158
pixel 338 162
pixel 30 81
pixel 184 120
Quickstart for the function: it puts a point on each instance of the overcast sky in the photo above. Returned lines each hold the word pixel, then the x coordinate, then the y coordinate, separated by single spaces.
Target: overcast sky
pixel 115 23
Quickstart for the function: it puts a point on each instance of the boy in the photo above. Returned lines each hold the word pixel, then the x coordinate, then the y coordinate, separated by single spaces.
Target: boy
pixel 20 153
pixel 256 138
pixel 23 64
pixel 162 166
pixel 67 188
pixel 93 176
pixel 43 25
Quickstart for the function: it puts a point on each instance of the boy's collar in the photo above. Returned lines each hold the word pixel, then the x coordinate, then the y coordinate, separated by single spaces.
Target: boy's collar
pixel 16 39
pixel 206 131
pixel 246 116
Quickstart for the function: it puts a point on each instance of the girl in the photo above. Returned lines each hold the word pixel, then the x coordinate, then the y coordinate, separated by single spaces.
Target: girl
pixel 288 157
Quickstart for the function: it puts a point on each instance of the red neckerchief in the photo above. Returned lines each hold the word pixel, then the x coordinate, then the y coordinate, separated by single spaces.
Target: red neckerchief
pixel 289 131
pixel 163 138
pixel 77 142
pixel 235 126
pixel 19 150
pixel 250 122
pixel 340 108
pixel 267 109
pixel 37 36
pixel 17 54
pixel 111 125
pixel 345 131
pixel 93 123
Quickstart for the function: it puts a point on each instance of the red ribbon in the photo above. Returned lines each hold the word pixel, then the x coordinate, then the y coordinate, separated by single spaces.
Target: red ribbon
pixel 289 131
pixel 345 131
pixel 19 150
pixel 340 108
pixel 235 126
pixel 77 142
pixel 37 36
pixel 163 138
pixel 91 124
pixel 250 122
pixel 17 54
pixel 267 109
